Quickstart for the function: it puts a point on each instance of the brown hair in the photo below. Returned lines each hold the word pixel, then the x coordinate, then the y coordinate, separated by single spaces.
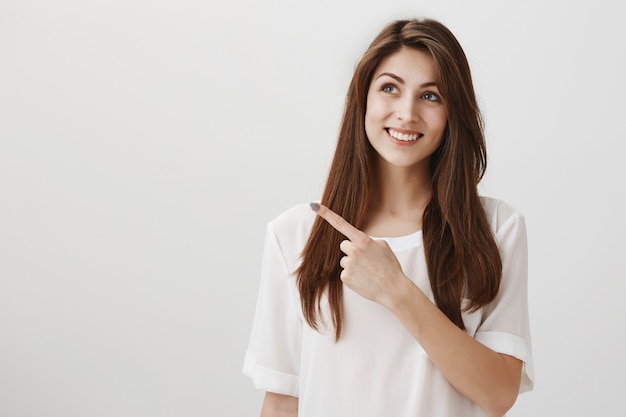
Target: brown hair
pixel 461 254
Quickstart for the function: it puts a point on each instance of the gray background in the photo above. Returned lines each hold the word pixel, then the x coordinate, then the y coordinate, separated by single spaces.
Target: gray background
pixel 144 145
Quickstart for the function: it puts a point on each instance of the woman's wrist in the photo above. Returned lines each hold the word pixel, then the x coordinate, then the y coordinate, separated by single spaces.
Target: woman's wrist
pixel 402 295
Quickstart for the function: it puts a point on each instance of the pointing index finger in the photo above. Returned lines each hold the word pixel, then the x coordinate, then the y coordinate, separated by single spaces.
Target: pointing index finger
pixel 338 222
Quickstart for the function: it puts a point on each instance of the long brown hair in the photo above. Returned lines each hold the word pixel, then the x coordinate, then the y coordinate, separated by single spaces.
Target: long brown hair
pixel 461 254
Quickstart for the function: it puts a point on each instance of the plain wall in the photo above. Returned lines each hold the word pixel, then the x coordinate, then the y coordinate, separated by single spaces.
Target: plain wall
pixel 144 145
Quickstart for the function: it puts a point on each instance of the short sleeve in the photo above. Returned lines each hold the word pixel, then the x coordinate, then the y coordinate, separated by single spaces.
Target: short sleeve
pixel 505 324
pixel 273 356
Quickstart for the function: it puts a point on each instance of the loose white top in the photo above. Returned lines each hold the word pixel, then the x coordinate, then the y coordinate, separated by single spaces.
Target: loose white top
pixel 376 368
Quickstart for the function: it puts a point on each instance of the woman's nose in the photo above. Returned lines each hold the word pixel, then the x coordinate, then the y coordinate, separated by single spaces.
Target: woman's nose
pixel 407 110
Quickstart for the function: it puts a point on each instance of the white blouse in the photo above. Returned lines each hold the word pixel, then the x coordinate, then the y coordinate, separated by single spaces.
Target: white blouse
pixel 376 368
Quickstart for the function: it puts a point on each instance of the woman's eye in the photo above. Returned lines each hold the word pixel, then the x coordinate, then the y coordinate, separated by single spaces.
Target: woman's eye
pixel 431 97
pixel 388 88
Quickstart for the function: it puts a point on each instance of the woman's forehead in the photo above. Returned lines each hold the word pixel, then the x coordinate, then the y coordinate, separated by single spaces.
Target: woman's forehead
pixel 408 65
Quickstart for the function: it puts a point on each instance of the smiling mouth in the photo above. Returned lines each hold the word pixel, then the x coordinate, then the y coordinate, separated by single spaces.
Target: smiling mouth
pixel 405 137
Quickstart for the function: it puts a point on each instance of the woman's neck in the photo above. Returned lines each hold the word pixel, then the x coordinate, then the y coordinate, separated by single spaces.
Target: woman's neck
pixel 398 199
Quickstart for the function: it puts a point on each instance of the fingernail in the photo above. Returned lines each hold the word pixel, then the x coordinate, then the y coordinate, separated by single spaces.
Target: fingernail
pixel 314 206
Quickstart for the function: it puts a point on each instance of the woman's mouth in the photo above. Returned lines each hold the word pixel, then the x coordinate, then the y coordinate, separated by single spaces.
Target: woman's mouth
pixel 404 137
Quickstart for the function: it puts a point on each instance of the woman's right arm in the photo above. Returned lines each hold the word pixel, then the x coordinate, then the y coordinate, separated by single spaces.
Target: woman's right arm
pixel 278 405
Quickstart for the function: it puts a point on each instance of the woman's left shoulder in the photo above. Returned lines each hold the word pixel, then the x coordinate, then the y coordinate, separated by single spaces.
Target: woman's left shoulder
pixel 499 212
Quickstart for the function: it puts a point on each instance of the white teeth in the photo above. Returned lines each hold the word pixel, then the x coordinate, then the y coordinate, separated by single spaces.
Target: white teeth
pixel 403 136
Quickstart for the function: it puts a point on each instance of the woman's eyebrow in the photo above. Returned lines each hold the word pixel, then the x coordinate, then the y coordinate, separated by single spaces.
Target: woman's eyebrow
pixel 401 81
pixel 394 76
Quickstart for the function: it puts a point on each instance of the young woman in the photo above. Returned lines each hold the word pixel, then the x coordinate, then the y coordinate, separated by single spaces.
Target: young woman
pixel 403 293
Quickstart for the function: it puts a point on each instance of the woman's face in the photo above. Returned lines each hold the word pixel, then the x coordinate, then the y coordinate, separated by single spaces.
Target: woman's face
pixel 405 116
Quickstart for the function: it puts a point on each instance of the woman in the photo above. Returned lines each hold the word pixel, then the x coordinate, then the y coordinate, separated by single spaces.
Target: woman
pixel 403 293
